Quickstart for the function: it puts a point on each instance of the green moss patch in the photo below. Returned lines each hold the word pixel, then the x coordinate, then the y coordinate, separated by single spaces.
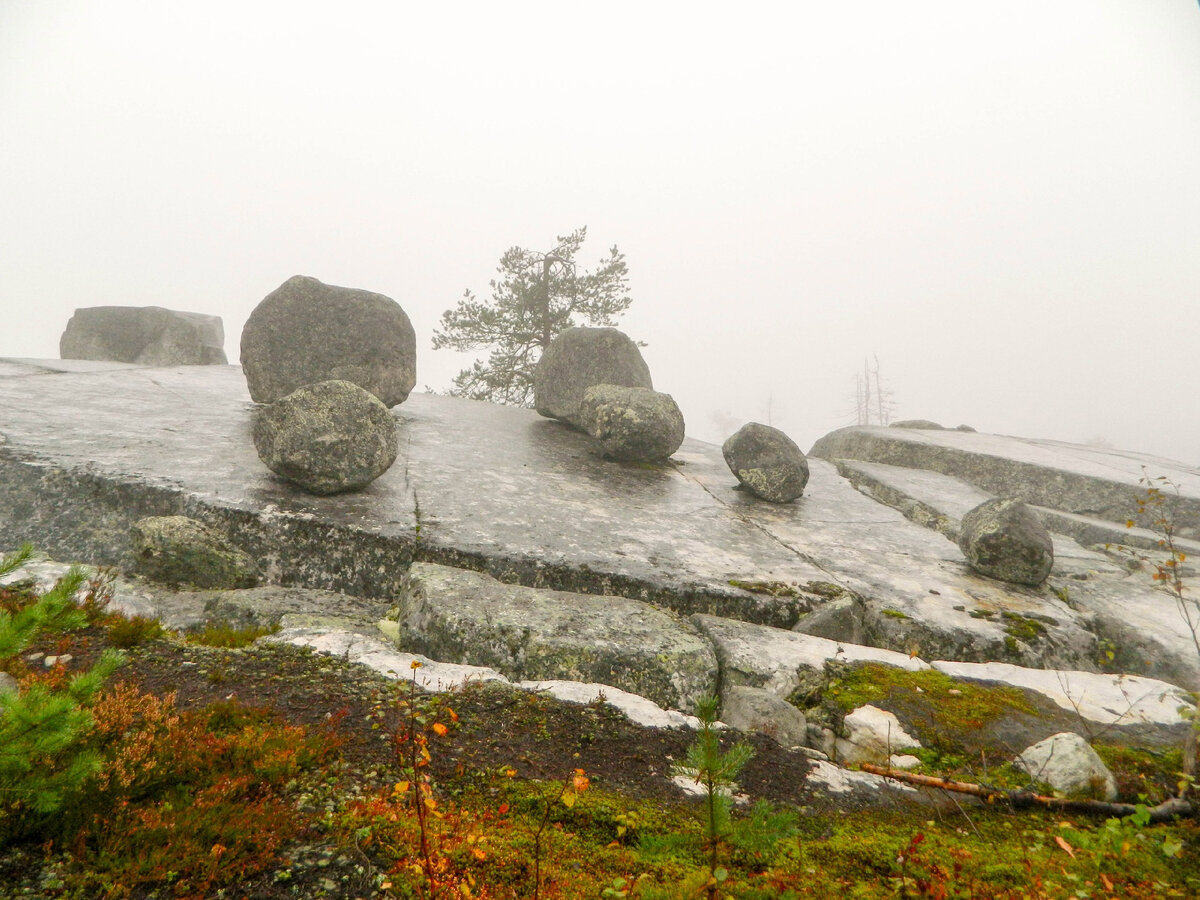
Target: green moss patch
pixel 953 717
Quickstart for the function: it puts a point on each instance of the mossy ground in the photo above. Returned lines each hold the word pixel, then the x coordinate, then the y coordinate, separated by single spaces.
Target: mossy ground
pixel 302 799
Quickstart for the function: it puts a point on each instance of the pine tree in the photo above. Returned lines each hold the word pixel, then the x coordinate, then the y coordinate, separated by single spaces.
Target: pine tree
pixel 535 298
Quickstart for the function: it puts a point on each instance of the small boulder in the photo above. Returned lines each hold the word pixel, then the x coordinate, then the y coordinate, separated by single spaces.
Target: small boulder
pixel 328 438
pixel 1067 763
pixel 873 735
pixel 578 359
pixel 632 424
pixel 144 335
pixel 180 550
pixel 758 710
pixel 306 331
pixel 767 462
pixel 919 424
pixel 1004 539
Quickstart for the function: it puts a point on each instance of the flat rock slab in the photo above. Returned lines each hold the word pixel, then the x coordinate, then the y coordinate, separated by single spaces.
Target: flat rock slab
pixel 1068 477
pixel 535 633
pixel 782 661
pixel 381 657
pixel 637 709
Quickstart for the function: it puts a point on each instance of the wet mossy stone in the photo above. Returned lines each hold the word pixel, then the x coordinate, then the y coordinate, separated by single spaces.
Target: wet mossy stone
pixel 1003 539
pixel 580 358
pixel 181 550
pixel 632 424
pixel 328 438
pixel 306 331
pixel 767 462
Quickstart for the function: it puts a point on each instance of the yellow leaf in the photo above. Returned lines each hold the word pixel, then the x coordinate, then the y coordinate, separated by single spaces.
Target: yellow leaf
pixel 440 729
pixel 430 803
pixel 1129 523
pixel 477 853
pixel 1062 842
pixel 401 787
pixel 568 798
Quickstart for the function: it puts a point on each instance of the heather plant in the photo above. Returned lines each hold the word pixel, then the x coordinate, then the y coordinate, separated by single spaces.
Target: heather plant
pixel 45 758
pixel 1156 509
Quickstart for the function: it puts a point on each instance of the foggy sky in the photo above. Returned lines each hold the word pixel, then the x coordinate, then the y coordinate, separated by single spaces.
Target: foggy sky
pixel 1001 201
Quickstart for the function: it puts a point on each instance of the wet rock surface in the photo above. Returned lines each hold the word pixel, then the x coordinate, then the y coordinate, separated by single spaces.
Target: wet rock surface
pixel 532 503
pixel 306 331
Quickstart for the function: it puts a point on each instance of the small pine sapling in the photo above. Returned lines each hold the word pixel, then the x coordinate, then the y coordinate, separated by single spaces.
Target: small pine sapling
pixel 715 770
pixel 44 727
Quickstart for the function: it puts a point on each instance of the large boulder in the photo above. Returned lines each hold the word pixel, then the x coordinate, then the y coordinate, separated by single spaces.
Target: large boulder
pixel 537 634
pixel 767 462
pixel 631 423
pixel 180 550
pixel 578 359
pixel 145 335
pixel 305 331
pixel 1004 539
pixel 1067 763
pixel 329 437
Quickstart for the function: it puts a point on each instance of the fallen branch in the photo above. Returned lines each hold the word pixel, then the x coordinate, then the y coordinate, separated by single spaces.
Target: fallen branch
pixel 1164 812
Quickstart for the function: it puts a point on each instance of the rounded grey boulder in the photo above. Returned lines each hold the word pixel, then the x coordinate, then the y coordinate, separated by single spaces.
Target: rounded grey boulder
pixel 1003 539
pixel 180 550
pixel 631 423
pixel 578 359
pixel 306 331
pixel 767 462
pixel 329 437
pixel 145 335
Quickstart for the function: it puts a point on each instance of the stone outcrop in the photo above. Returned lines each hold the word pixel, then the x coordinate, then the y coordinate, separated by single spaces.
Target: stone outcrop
pixel 1087 481
pixel 757 710
pixel 1004 539
pixel 180 550
pixel 920 424
pixel 766 462
pixel 533 634
pixel 632 424
pixel 785 663
pixel 1067 763
pixel 305 331
pixel 580 358
pixel 144 335
pixel 329 438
